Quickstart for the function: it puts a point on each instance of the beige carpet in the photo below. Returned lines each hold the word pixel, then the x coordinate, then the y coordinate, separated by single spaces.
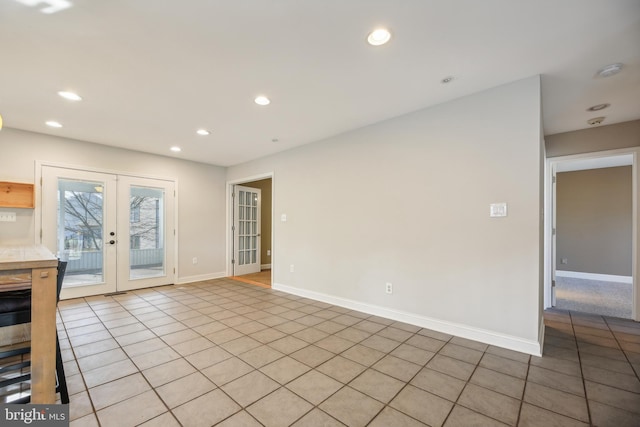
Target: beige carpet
pixel 594 296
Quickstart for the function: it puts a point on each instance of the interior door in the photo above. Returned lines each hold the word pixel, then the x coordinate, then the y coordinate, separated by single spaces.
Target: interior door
pixel 246 230
pixel 116 232
pixel 79 226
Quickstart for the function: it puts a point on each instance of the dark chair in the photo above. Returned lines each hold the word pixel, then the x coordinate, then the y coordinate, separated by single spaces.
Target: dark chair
pixel 15 309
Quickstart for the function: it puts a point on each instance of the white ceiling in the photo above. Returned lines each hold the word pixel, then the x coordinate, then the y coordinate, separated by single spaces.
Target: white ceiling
pixel 152 72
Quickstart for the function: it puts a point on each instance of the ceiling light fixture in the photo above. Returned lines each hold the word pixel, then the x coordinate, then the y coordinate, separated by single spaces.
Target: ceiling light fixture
pixel 598 107
pixel 609 70
pixel 262 100
pixel 203 132
pixel 446 80
pixel 176 149
pixel 71 96
pixel 378 37
pixel 53 124
pixel 274 140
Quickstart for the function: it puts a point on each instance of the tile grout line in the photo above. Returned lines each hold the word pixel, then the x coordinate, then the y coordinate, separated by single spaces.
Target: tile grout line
pixel 584 382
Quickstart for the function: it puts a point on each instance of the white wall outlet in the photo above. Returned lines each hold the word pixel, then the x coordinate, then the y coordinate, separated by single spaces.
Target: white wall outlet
pixel 195 260
pixel 8 216
pixel 268 252
pixel 291 269
pixel 497 210
pixel 283 217
pixel 388 288
pixel 564 261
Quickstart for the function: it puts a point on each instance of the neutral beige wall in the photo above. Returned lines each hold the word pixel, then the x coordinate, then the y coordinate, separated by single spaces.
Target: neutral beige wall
pixel 201 192
pixel 594 221
pixel 601 138
pixel 407 200
pixel 265 219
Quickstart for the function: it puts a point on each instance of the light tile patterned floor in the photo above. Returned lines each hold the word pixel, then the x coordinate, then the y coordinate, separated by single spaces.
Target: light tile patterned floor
pixel 231 354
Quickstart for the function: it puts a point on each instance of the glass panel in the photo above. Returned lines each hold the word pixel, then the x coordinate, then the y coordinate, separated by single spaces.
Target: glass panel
pixel 248 216
pixel 255 199
pixel 241 228
pixel 241 257
pixel 253 257
pixel 254 227
pixel 254 214
pixel 241 244
pixel 248 199
pixel 241 197
pixel 146 232
pixel 80 231
pixel 240 213
pixel 253 243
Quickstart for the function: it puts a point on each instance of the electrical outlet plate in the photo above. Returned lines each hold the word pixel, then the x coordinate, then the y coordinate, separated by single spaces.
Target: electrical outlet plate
pixel 389 288
pixel 7 216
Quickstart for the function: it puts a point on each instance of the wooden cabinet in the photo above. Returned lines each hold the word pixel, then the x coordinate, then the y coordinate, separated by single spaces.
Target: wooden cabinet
pixel 16 195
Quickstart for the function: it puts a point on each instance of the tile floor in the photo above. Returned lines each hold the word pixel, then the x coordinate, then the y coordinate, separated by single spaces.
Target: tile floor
pixel 227 353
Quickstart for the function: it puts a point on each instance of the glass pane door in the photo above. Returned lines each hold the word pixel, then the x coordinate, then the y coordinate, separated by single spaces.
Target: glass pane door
pixel 78 224
pixel 145 248
pixel 80 231
pixel 246 230
pixel 146 232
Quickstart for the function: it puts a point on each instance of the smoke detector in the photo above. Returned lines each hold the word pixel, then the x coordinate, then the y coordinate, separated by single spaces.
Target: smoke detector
pixel 609 70
pixel 595 121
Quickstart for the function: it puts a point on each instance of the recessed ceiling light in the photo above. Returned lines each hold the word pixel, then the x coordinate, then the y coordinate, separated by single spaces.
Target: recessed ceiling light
pixel 609 70
pixel 53 124
pixel 446 80
pixel 203 132
pixel 176 149
pixel 274 140
pixel 379 37
pixel 262 100
pixel 71 96
pixel 598 107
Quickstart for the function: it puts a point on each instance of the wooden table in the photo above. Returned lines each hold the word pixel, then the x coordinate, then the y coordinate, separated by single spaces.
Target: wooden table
pixel 36 266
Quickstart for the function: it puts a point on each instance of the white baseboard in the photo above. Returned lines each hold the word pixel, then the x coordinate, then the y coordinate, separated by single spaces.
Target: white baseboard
pixel 595 276
pixel 200 278
pixel 464 331
pixel 265 267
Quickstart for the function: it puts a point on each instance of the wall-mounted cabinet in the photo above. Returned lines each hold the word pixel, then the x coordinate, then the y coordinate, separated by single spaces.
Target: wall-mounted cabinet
pixel 16 195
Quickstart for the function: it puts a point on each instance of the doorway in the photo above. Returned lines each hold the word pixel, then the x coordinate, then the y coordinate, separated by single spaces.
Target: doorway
pixel 591 217
pixel 249 263
pixel 115 231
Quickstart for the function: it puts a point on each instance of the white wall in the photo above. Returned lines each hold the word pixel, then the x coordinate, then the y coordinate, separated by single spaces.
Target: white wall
pixel 201 193
pixel 407 201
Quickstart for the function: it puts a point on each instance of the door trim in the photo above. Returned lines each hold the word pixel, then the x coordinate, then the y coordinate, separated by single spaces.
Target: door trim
pixel 229 219
pixel 550 167
pixel 38 197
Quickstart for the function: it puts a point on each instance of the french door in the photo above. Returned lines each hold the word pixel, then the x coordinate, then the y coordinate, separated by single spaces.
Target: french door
pixel 115 231
pixel 246 230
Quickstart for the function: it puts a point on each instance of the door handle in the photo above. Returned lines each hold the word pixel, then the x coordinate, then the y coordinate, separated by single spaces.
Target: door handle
pixel 111 242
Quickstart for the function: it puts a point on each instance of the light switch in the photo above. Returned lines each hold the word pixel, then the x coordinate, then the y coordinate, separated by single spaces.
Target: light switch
pixel 497 210
pixel 283 217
